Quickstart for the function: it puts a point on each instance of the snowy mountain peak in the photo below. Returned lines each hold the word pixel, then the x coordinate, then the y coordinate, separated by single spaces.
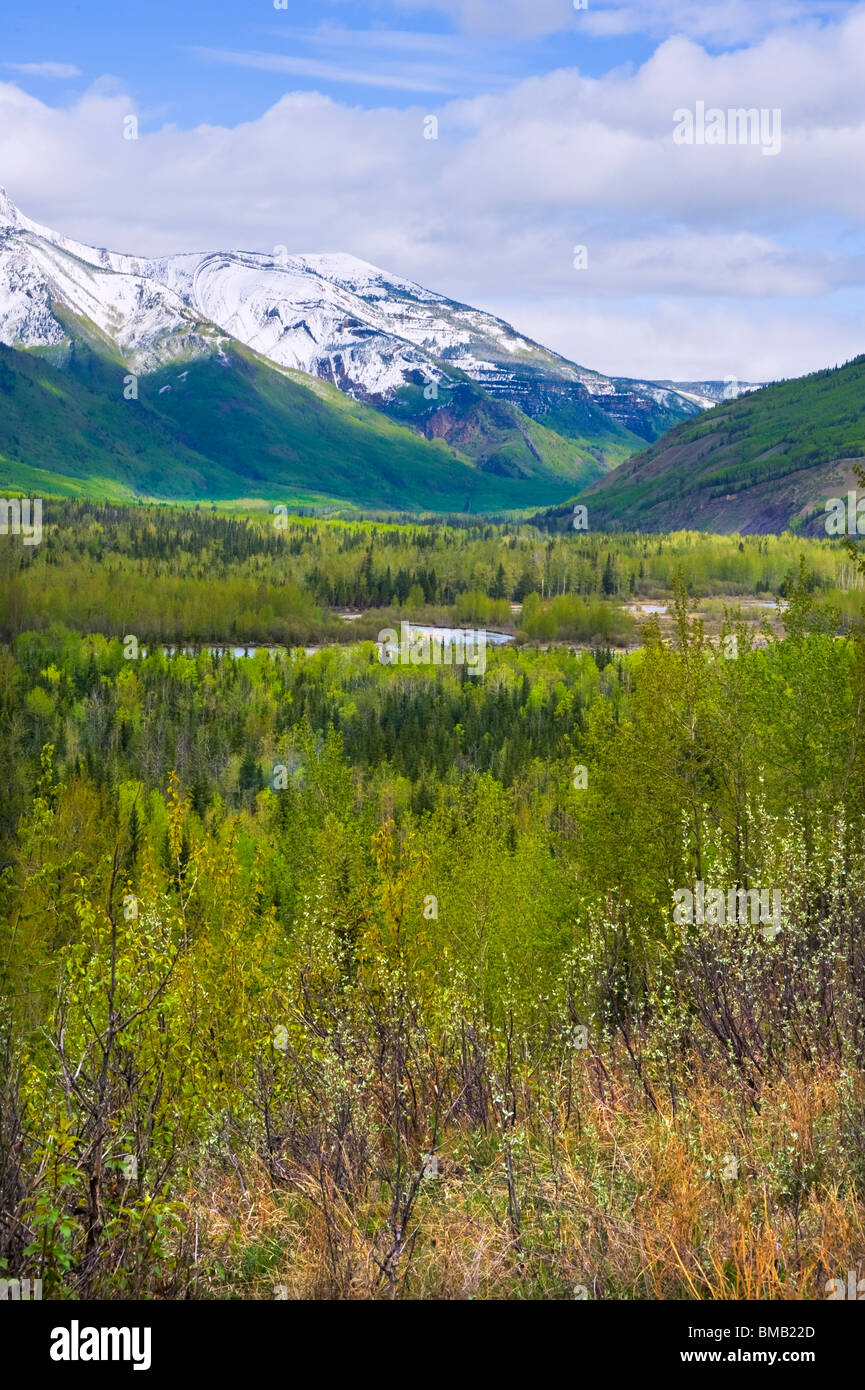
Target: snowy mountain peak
pixel 42 274
pixel 331 315
pixel 9 214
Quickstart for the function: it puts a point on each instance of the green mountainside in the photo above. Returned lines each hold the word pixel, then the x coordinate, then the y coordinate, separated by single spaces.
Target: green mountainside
pixel 764 462
pixel 230 425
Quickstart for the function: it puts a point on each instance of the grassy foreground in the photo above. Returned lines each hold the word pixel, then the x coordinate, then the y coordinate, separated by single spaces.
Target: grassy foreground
pixel 615 1201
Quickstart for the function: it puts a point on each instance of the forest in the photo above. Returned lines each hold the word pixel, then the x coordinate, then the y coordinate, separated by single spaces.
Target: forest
pixel 323 978
pixel 201 575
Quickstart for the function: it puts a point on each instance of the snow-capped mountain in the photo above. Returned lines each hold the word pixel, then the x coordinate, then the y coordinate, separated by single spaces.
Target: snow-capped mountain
pixel 705 394
pixel 42 273
pixel 370 332
pixel 332 316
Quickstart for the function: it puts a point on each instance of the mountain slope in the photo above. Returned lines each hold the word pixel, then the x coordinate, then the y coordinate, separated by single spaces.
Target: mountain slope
pixel 378 337
pixel 222 425
pixel 40 270
pixel 371 332
pixel 71 303
pixel 499 420
pixel 761 463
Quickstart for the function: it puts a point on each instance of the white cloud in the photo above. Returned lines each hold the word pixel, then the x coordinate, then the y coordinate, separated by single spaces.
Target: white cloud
pixel 696 254
pixel 400 41
pixel 712 21
pixel 396 59
pixel 405 77
pixel 45 69
pixel 750 342
pixel 521 17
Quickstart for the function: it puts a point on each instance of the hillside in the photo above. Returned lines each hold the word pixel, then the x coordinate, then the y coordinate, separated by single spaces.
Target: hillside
pixel 332 315
pixel 229 425
pixel 761 463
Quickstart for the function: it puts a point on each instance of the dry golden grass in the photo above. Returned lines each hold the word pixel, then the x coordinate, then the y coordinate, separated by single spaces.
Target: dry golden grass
pixel 622 1203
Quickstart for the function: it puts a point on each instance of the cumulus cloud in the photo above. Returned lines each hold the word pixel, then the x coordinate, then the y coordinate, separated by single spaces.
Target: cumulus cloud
pixel 712 244
pixel 750 342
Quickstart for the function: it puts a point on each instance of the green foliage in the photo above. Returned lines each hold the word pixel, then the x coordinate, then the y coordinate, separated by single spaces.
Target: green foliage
pixel 303 920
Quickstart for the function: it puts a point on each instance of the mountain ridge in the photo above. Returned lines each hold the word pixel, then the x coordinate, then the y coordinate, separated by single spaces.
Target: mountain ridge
pixel 761 463
pixel 504 421
pixel 332 315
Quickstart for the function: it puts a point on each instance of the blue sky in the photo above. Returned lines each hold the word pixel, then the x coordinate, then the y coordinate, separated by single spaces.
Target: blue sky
pixel 184 59
pixel 305 127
